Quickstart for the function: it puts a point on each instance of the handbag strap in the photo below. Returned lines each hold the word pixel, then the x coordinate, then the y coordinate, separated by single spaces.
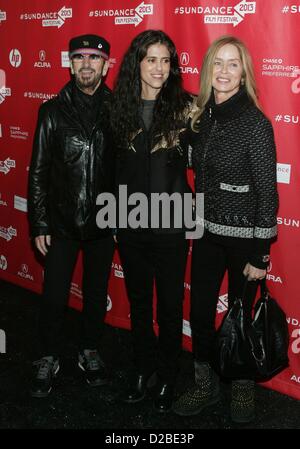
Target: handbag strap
pixel 264 291
pixel 244 290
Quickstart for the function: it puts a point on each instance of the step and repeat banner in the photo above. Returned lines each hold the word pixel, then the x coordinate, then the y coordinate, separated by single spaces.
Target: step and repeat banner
pixel 34 65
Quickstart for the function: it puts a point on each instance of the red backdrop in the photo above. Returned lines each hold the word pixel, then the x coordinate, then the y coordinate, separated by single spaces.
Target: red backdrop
pixel 34 66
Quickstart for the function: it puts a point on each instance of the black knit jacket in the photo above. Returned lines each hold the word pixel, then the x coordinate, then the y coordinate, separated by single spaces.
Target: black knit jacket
pixel 234 160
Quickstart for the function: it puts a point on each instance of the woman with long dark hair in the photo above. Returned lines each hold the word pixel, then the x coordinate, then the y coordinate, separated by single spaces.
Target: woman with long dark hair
pixel 149 114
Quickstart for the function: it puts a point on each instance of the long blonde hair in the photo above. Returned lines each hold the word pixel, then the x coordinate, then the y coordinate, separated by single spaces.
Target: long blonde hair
pixel 207 71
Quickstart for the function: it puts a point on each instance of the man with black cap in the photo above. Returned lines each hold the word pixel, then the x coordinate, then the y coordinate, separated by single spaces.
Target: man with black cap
pixel 72 162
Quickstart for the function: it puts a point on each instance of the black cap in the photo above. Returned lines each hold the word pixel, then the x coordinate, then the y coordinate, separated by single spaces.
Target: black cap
pixel 90 41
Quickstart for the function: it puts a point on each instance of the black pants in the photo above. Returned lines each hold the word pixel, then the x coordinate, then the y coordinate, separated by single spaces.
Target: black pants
pixel 59 266
pixel 147 257
pixel 210 260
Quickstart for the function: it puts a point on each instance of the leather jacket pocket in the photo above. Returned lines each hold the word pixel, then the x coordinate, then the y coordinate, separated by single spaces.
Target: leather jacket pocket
pixel 71 145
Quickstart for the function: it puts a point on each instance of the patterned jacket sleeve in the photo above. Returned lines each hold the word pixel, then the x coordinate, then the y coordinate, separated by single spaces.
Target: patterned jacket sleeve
pixel 262 157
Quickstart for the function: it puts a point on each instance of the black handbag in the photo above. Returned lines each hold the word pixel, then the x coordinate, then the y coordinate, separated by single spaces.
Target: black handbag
pixel 252 348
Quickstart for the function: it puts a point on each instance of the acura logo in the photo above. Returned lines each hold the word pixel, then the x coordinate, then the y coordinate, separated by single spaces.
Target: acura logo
pixel 24 268
pixel 42 55
pixel 184 58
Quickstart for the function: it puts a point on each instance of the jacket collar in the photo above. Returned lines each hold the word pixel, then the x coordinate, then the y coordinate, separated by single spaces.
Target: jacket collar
pixel 65 96
pixel 230 108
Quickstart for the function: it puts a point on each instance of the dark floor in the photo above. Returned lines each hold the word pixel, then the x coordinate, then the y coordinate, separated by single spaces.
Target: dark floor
pixel 74 405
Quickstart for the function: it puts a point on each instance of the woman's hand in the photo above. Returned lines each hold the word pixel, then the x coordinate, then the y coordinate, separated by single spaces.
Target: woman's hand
pixel 253 274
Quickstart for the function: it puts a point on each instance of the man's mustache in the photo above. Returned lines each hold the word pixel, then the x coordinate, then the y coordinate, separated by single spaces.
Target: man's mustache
pixel 87 68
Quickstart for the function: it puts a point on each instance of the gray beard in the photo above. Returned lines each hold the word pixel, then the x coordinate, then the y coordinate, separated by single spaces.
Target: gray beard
pixel 88 84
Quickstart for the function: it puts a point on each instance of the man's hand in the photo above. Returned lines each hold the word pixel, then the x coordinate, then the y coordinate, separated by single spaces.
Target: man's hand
pixel 41 242
pixel 253 274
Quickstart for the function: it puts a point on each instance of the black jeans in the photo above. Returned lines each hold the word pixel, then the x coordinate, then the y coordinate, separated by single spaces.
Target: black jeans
pixel 210 261
pixel 147 257
pixel 59 266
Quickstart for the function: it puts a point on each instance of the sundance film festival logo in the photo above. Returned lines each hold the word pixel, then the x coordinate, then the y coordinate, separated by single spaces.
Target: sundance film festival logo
pixel 213 15
pixel 7 233
pixel 4 91
pixel 222 305
pixel 39 95
pixel 118 270
pixel 50 19
pixel 15 57
pixel 126 16
pixel 7 165
pixel 42 63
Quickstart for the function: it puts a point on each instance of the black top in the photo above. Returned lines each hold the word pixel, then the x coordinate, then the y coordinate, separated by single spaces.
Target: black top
pixel 87 107
pixel 147 112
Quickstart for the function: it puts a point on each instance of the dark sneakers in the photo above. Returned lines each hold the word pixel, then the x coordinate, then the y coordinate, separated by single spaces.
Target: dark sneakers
pixel 204 392
pixel 94 368
pixel 45 371
pixel 242 407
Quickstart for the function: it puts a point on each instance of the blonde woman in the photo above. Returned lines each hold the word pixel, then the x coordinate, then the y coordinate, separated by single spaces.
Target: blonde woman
pixel 235 167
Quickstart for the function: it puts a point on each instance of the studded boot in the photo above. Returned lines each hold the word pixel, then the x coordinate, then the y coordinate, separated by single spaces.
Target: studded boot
pixel 242 406
pixel 204 392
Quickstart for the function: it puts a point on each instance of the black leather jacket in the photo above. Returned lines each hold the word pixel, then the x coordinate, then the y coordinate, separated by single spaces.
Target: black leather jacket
pixel 69 169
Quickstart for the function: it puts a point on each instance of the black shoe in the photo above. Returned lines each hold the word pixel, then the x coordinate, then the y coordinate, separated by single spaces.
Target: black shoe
pixel 164 398
pixel 137 391
pixel 94 368
pixel 45 371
